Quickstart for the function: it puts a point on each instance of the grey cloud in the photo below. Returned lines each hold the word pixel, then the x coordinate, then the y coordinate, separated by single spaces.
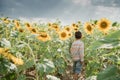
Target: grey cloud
pixel 108 3
pixel 30 8
pixel 52 9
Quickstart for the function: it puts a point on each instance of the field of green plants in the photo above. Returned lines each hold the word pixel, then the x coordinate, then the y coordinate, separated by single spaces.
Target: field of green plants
pixel 40 51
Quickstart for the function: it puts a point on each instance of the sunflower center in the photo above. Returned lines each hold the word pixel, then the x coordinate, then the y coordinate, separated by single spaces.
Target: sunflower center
pixel 77 26
pixel 68 29
pixel 21 30
pixel 55 26
pixel 73 25
pixel 69 34
pixel 43 35
pixel 17 23
pixel 89 28
pixel 49 24
pixel 33 30
pixel 103 24
pixel 28 25
pixel 63 34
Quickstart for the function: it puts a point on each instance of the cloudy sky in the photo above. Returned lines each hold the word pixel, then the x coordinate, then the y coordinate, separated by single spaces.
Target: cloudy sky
pixel 67 11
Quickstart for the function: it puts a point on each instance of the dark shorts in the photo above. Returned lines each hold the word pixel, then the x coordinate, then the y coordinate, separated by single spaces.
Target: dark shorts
pixel 77 67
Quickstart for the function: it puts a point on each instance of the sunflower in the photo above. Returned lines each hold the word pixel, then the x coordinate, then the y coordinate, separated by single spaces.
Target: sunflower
pixel 7 55
pixel 49 24
pixel 67 28
pixel 69 35
pixel 7 21
pixel 21 30
pixel 28 26
pixel 1 50
pixel 88 28
pixel 55 27
pixel 75 29
pixel 17 24
pixel 73 25
pixel 77 26
pixel 104 25
pixel 43 36
pixel 3 19
pixel 63 35
pixel 33 30
pixel 17 61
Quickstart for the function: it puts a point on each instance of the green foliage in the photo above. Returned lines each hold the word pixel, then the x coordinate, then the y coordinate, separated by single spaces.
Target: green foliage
pixel 3 67
pixel 109 73
pixel 45 67
pixel 106 49
pixel 114 24
pixel 60 65
pixel 10 76
pixel 51 57
pixel 110 41
pixel 50 77
pixel 7 72
pixel 21 77
pixel 28 64
pixel 5 43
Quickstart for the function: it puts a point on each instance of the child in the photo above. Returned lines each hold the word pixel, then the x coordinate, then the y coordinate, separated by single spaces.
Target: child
pixel 77 54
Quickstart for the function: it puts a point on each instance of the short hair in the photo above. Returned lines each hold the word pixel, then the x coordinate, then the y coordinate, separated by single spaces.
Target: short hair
pixel 78 35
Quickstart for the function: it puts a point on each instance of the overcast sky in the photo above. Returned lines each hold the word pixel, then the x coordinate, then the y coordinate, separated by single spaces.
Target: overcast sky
pixel 67 11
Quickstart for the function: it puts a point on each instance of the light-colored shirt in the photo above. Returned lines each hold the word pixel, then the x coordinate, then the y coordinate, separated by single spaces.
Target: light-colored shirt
pixel 77 50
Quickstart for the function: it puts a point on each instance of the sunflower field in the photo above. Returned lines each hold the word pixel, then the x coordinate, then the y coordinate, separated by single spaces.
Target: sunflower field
pixel 40 51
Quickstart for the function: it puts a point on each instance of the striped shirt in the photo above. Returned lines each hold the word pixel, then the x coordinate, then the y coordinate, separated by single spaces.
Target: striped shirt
pixel 77 50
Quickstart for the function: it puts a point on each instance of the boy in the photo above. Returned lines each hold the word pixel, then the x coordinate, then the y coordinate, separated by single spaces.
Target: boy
pixel 77 54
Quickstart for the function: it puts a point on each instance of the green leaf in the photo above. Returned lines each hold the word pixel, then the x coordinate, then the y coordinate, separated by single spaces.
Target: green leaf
pixel 110 41
pixel 3 67
pixel 40 68
pixel 20 45
pixel 46 66
pixel 108 74
pixel 21 77
pixel 26 65
pixel 92 78
pixel 49 63
pixel 118 62
pixel 114 35
pixel 5 43
pixel 10 76
pixel 114 24
pixel 50 77
pixel 14 34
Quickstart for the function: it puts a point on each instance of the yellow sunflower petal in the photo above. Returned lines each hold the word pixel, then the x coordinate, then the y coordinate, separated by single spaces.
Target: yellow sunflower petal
pixel 104 25
pixel 17 61
pixel 43 36
pixel 68 29
pixel 63 35
pixel 88 28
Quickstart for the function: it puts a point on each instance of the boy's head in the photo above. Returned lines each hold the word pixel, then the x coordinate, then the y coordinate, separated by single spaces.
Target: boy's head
pixel 78 35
